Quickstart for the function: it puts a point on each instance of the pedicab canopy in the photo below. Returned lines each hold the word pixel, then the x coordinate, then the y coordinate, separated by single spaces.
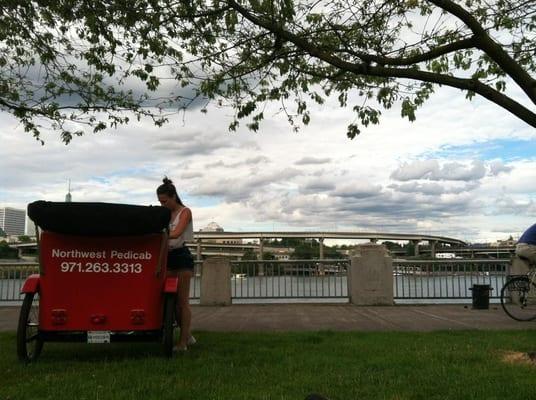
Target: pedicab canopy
pixel 98 219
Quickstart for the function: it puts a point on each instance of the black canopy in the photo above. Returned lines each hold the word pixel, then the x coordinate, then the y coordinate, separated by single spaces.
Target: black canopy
pixel 98 219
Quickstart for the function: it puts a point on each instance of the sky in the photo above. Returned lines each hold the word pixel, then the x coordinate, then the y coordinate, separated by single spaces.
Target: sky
pixel 463 169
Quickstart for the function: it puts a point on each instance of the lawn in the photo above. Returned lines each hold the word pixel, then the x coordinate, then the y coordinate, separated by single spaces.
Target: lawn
pixel 346 366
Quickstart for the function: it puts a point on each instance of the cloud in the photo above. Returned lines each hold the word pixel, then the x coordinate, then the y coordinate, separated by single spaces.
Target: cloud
pixel 424 188
pixel 497 166
pixel 357 190
pixel 509 205
pixel 190 144
pixel 312 160
pixel 381 181
pixel 415 170
pixel 435 189
pixel 191 175
pixel 456 171
pixel 431 170
pixel 317 185
pixel 247 162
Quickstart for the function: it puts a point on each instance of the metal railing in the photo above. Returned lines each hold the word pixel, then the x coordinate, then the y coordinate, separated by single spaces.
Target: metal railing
pixel 289 279
pixel 12 277
pixel 447 279
pixel 322 280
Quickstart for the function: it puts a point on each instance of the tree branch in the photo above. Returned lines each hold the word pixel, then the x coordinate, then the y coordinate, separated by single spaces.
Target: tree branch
pixel 474 85
pixel 485 43
pixel 429 55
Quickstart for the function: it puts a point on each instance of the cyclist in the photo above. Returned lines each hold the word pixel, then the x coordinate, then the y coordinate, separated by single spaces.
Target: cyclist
pixel 526 245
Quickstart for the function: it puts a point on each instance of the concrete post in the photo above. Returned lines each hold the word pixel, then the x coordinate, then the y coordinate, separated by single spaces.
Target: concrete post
pixel 370 277
pixel 321 247
pixel 216 282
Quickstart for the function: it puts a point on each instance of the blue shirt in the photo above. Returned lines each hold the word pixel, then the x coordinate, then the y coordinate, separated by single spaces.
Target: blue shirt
pixel 529 236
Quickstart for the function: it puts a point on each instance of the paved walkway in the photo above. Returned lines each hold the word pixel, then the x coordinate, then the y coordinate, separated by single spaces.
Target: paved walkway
pixel 336 317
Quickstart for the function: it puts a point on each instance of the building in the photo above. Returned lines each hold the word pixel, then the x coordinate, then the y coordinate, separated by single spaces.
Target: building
pixel 280 253
pixel 215 228
pixel 510 242
pixel 68 196
pixel 13 221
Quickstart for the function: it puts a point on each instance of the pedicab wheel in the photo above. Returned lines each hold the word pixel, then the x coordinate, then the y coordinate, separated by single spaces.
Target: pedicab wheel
pixel 29 344
pixel 167 329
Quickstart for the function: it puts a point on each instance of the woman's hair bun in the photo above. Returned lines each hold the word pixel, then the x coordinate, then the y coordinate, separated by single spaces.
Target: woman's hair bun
pixel 167 181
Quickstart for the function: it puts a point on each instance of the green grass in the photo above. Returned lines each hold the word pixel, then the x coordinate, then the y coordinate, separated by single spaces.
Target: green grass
pixel 346 366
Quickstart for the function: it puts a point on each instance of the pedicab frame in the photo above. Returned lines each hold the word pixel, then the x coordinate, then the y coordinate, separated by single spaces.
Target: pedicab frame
pixel 132 302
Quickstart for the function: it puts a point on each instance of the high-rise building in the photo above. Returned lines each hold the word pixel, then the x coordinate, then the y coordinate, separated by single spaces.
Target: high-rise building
pixel 68 196
pixel 13 221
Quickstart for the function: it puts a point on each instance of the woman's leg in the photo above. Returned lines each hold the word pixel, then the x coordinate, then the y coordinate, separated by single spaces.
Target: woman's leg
pixel 183 306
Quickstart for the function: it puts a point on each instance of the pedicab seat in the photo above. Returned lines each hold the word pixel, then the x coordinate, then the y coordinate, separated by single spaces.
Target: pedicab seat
pixel 102 265
pixel 98 219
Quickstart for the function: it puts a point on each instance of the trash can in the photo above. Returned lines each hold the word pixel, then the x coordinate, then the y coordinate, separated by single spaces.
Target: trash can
pixel 481 296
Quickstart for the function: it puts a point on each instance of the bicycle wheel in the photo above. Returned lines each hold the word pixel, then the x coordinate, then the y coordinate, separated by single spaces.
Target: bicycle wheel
pixel 518 299
pixel 29 343
pixel 168 325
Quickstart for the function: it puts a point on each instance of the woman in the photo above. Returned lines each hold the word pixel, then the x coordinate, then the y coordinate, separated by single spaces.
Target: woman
pixel 180 261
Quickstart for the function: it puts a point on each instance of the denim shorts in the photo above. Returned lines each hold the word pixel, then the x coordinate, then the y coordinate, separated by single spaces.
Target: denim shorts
pixel 180 259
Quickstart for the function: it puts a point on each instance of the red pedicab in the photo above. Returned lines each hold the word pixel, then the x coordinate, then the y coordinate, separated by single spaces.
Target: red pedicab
pixel 102 277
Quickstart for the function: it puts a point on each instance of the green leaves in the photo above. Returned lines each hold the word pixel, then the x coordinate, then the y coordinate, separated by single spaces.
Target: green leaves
pixel 408 109
pixel 68 63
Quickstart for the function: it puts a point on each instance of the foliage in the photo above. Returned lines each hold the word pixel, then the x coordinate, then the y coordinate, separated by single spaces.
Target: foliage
pixel 267 255
pixel 79 61
pixel 6 251
pixel 392 245
pixel 249 254
pixel 25 239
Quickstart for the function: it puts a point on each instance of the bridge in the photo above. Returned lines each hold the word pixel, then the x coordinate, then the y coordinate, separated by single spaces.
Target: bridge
pixel 203 246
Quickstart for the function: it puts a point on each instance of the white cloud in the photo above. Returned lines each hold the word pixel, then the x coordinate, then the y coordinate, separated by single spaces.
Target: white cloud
pixel 392 177
pixel 497 166
pixel 312 160
pixel 431 170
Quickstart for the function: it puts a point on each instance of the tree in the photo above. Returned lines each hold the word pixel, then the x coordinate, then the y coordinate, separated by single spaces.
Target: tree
pixel 267 255
pixel 74 60
pixel 25 239
pixel 6 251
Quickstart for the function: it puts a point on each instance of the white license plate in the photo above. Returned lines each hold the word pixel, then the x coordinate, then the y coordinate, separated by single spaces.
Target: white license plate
pixel 98 336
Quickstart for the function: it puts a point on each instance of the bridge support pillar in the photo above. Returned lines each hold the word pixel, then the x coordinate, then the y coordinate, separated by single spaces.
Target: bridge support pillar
pixel 415 247
pixel 433 244
pixel 198 250
pixel 370 277
pixel 216 282
pixel 261 255
pixel 321 247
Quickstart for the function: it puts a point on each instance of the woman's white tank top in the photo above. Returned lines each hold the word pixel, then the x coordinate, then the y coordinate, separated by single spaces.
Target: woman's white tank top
pixel 187 235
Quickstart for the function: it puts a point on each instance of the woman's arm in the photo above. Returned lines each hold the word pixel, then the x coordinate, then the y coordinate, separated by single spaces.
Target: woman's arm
pixel 184 220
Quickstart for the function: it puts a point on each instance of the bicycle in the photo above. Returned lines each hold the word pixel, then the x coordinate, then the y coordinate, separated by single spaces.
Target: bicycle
pixel 518 295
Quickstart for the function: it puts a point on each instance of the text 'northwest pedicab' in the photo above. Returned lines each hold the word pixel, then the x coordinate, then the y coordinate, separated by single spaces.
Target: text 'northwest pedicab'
pixel 102 277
